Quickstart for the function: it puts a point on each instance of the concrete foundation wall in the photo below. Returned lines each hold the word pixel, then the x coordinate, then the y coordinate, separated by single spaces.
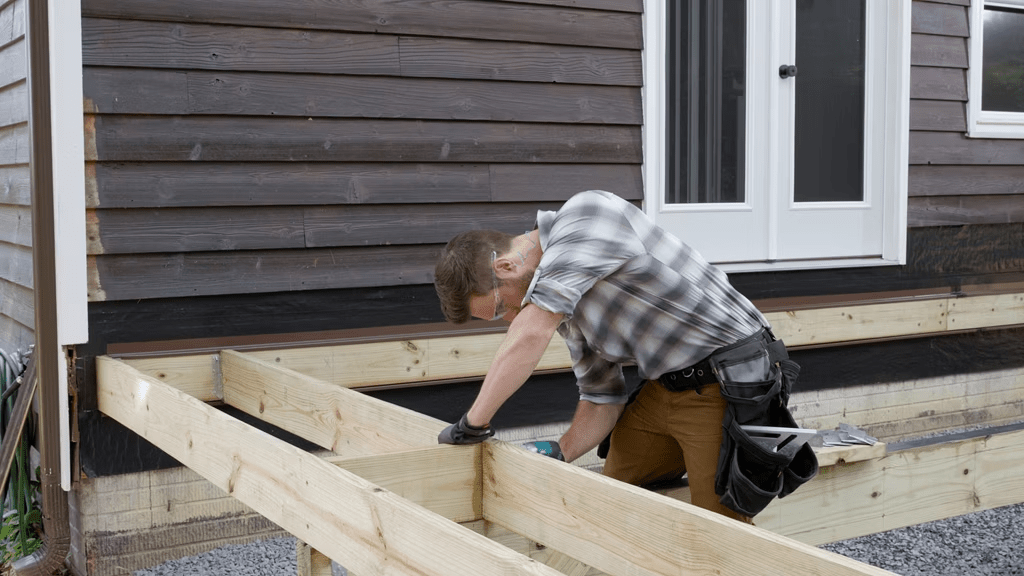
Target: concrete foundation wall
pixel 120 524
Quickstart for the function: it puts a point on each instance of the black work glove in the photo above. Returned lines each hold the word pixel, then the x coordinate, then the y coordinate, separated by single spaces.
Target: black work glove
pixel 462 433
pixel 551 449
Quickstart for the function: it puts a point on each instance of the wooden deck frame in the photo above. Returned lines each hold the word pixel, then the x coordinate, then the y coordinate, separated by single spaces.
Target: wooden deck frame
pixel 365 511
pixel 899 489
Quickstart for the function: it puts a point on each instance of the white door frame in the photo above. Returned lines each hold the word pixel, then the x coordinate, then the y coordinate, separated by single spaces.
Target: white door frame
pixel 889 162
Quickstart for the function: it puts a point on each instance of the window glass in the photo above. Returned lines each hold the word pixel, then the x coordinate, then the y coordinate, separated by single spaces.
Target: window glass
pixel 706 101
pixel 829 124
pixel 1002 84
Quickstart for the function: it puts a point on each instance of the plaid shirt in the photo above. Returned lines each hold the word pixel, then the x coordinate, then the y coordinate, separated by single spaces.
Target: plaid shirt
pixel 630 292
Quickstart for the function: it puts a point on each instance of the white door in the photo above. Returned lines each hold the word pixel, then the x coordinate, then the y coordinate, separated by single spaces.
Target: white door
pixel 765 164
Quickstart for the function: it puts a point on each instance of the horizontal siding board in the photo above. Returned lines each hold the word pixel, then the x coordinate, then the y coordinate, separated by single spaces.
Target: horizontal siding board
pixel 130 277
pixel 193 230
pixel 461 19
pixel 965 180
pixel 938 115
pixel 161 45
pixel 959 210
pixel 942 51
pixel 413 224
pixel 17 303
pixel 558 182
pixel 940 19
pixel 955 2
pixel 15 185
pixel 16 264
pixel 14 104
pixel 938 83
pixel 383 97
pixel 210 47
pixel 16 225
pixel 14 63
pixel 636 6
pixel 170 184
pixel 14 145
pixel 955 148
pixel 130 90
pixel 520 62
pixel 14 336
pixel 227 229
pixel 12 22
pixel 133 139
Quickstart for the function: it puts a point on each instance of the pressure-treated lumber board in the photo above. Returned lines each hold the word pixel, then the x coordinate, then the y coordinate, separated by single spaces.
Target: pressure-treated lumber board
pixel 328 415
pixel 999 309
pixel 902 488
pixel 371 529
pixel 622 529
pixel 831 455
pixel 312 563
pixel 858 322
pixel 442 478
pixel 449 357
pixel 404 360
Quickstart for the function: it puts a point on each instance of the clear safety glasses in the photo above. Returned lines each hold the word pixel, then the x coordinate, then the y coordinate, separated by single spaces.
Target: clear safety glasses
pixel 499 305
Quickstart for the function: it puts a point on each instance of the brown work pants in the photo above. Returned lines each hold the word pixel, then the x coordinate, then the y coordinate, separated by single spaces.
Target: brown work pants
pixel 662 435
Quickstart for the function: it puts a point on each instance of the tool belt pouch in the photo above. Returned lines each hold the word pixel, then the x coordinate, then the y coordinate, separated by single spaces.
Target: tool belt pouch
pixel 756 377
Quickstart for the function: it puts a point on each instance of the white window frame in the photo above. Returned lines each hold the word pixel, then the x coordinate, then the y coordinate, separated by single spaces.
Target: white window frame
pixel 990 124
pixel 894 137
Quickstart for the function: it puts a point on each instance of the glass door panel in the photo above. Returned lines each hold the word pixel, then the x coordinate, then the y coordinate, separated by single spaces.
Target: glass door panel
pixel 829 121
pixel 707 100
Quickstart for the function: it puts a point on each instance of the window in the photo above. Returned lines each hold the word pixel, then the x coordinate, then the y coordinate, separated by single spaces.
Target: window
pixel 776 130
pixel 995 108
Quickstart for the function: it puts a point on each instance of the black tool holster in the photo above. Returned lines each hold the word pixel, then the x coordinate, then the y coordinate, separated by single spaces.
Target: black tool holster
pixel 756 377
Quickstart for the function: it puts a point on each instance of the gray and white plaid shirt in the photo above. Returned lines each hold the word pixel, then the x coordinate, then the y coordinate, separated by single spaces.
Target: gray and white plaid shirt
pixel 631 292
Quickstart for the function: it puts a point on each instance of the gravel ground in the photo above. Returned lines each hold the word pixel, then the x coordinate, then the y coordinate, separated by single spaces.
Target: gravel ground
pixel 275 557
pixel 988 543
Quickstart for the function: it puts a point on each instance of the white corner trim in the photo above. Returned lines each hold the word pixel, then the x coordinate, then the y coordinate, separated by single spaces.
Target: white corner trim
pixel 68 152
pixel 654 103
pixel 68 170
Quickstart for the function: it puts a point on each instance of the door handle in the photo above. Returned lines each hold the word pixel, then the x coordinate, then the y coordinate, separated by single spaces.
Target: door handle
pixel 787 71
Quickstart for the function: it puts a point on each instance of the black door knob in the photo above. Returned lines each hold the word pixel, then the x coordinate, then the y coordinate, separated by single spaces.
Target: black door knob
pixel 787 71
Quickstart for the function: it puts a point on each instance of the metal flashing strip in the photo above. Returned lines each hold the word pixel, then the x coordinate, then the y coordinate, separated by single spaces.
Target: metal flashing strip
pixel 955 437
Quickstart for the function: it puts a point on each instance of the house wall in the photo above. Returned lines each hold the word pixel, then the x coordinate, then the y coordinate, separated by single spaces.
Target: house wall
pixel 257 167
pixel 16 307
pixel 954 180
pixel 264 147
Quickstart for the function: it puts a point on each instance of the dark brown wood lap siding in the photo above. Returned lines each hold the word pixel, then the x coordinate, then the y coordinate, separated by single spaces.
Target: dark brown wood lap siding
pixel 259 147
pixel 954 180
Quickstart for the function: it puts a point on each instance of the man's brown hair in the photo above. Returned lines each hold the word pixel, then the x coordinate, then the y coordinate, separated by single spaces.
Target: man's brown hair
pixel 464 270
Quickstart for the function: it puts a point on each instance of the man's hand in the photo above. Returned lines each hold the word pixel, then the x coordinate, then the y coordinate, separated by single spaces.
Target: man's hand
pixel 462 433
pixel 551 449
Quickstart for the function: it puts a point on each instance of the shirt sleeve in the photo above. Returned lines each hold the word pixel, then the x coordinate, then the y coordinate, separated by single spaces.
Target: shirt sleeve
pixel 600 381
pixel 587 239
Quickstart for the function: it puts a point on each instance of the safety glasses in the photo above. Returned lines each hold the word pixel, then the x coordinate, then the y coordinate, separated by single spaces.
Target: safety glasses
pixel 499 306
